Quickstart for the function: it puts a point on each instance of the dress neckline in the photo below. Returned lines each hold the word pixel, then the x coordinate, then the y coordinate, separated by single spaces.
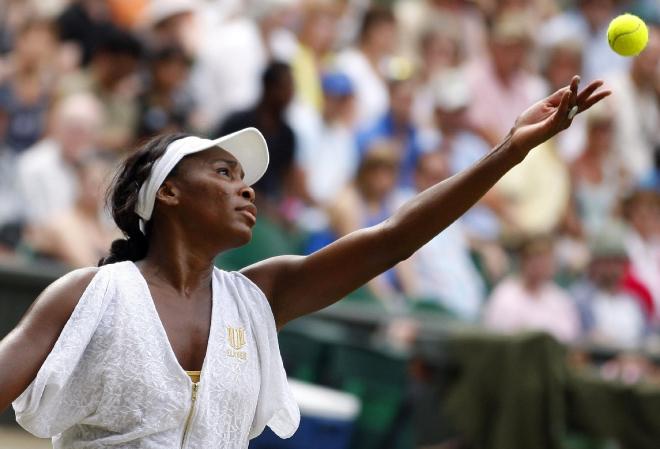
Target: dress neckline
pixel 174 361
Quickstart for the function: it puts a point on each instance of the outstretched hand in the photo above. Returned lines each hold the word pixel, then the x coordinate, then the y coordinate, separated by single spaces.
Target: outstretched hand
pixel 551 115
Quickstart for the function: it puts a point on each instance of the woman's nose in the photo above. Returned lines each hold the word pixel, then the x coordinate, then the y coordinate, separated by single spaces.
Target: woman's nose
pixel 248 193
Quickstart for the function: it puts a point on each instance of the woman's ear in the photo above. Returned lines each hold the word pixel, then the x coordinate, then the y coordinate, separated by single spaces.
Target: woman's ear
pixel 168 193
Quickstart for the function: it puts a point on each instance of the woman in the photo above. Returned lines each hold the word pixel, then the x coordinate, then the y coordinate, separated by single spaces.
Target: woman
pixel 101 357
pixel 80 234
pixel 598 175
pixel 370 199
pixel 26 93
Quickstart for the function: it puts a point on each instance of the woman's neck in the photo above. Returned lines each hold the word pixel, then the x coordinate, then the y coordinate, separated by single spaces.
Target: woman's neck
pixel 176 261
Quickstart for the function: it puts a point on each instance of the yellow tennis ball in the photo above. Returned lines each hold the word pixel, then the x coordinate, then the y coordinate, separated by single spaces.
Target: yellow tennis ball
pixel 627 35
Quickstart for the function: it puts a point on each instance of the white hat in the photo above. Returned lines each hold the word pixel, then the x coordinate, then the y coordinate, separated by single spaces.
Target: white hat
pixel 159 10
pixel 452 91
pixel 248 146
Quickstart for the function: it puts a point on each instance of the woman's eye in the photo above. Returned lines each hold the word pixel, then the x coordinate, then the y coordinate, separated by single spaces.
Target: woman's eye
pixel 223 171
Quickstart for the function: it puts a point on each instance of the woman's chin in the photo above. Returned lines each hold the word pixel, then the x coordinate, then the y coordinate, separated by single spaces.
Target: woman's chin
pixel 230 238
pixel 243 237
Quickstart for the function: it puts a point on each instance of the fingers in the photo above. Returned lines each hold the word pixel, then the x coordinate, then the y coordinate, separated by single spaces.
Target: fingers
pixel 587 91
pixel 562 110
pixel 573 100
pixel 565 104
pixel 556 97
pixel 574 88
pixel 594 99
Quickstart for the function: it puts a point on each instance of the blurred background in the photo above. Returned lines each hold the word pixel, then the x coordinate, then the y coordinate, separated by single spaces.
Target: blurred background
pixel 531 322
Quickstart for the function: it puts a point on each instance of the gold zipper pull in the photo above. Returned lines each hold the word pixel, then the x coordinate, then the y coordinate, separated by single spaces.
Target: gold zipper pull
pixel 186 427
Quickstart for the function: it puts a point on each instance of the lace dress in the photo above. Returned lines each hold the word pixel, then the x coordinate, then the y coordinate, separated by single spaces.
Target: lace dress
pixel 113 380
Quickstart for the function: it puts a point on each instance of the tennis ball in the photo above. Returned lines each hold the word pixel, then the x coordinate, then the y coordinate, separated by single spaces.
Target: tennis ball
pixel 627 35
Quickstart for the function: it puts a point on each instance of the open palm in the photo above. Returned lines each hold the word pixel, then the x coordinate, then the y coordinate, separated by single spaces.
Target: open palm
pixel 549 116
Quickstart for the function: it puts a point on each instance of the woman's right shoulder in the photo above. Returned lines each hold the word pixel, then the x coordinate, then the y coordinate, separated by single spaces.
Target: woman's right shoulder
pixel 57 302
pixel 74 282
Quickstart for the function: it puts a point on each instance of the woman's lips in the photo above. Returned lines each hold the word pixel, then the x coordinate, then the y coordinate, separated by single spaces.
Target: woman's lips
pixel 249 211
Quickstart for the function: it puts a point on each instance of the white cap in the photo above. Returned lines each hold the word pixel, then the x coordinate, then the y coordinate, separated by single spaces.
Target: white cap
pixel 248 146
pixel 452 91
pixel 159 10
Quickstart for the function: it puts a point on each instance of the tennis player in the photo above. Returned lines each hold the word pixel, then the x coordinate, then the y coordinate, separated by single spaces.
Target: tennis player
pixel 156 348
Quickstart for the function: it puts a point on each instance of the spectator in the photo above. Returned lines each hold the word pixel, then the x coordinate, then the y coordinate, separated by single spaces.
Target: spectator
pixel 397 126
pixel 368 201
pixel 167 105
pixel 536 193
pixel 328 154
pixel 642 213
pixel 268 116
pixel 439 51
pixel 316 39
pixel 610 315
pixel 636 104
pixel 173 23
pixel 443 269
pixel 463 147
pixel 363 64
pixel 46 172
pixel 466 17
pixel 560 62
pixel 597 175
pixel 111 78
pixel 253 39
pixel 81 23
pixel 502 82
pixel 25 95
pixel 531 300
pixel 81 235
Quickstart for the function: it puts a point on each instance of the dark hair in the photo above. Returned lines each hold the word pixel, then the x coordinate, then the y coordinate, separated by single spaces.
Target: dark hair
pixel 274 73
pixel 168 53
pixel 530 245
pixel 122 197
pixel 112 40
pixel 375 16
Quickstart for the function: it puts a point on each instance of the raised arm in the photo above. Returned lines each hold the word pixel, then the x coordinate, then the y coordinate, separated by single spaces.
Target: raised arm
pixel 24 349
pixel 297 285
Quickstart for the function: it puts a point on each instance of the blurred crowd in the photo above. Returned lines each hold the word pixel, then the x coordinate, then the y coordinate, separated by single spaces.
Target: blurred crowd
pixel 363 104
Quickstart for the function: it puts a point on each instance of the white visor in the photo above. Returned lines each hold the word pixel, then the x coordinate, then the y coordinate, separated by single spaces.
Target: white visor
pixel 248 146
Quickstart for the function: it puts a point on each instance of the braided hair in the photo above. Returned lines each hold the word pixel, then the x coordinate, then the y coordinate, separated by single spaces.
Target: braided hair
pixel 122 197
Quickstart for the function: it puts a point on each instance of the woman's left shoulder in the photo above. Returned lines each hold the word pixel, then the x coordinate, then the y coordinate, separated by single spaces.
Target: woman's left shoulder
pixel 241 282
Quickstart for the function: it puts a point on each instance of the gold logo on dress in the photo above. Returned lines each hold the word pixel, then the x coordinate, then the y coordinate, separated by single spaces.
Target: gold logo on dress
pixel 236 337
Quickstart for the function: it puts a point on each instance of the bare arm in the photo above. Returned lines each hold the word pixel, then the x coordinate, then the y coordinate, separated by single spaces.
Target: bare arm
pixel 296 286
pixel 24 349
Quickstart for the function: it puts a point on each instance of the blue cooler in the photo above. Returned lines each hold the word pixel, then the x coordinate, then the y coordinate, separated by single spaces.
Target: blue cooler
pixel 326 422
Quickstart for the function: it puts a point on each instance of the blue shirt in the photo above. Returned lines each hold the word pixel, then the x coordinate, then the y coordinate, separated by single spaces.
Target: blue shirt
pixel 384 128
pixel 25 122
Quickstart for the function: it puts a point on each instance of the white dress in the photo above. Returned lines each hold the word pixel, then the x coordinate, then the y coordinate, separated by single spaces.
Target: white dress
pixel 113 380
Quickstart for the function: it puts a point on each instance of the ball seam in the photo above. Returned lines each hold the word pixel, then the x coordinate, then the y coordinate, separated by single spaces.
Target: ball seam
pixel 612 43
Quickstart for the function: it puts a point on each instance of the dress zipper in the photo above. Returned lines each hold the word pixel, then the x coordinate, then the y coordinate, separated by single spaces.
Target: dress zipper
pixel 195 387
